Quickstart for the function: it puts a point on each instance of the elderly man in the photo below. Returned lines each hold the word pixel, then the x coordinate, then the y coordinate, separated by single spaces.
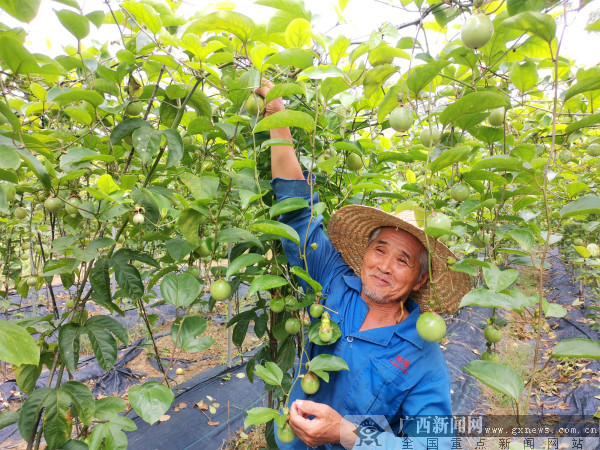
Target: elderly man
pixel 372 268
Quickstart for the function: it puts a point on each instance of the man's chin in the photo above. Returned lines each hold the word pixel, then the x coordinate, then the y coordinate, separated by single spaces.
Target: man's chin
pixel 375 297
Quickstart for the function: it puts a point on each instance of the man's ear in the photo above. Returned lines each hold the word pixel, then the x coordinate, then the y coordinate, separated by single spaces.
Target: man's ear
pixel 421 281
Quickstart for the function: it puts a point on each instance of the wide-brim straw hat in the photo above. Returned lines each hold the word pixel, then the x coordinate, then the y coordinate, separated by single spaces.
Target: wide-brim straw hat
pixel 350 228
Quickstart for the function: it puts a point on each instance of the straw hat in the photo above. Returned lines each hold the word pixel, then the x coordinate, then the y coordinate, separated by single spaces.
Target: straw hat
pixel 349 230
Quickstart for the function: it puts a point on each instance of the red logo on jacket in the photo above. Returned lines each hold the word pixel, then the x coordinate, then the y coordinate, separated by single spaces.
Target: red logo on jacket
pixel 401 363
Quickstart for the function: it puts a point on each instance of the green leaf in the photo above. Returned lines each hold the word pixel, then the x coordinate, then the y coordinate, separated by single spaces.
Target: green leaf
pixel 422 75
pixel 128 277
pixel 77 95
pixel 588 121
pixel 497 279
pixel 234 235
pixel 270 373
pixel 82 399
pixel 16 57
pixel 259 415
pixel 228 21
pixel 63 266
pixel 245 260
pixel 449 157
pixel 189 222
pixel 28 414
pixel 150 400
pixel 535 23
pixel 27 375
pixel 523 75
pixel 524 237
pixel 7 418
pixel 175 146
pixel 68 343
pixel 491 299
pixel 266 282
pixel 100 282
pixel 475 102
pixel 144 14
pixel 500 162
pixel 577 348
pixel 109 407
pixel 589 204
pixel 203 187
pixel 287 205
pixel 287 118
pixel 103 343
pixel 179 249
pixel 295 57
pixel 517 6
pixel 276 228
pixel 191 328
pixel 57 423
pixel 284 90
pixel 298 33
pixel 323 72
pixel 76 24
pixel 23 10
pixel 9 159
pixel 327 362
pixel 16 345
pixel 179 290
pixel 36 166
pixel 594 26
pixel 126 128
pixel 10 115
pixel 303 274
pixel 585 85
pixel 553 309
pixel 498 377
pixel 576 187
pixel 111 324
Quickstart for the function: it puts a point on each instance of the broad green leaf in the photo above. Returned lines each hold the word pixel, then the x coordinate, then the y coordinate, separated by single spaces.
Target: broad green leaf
pixel 234 235
pixel 8 417
pixel 10 115
pixel 337 49
pixel 36 166
pixel 245 260
pixel 583 251
pixel 295 57
pixel 492 299
pixel 16 345
pixel 103 343
pixel 76 24
pixel 68 343
pixel 298 33
pixel 497 376
pixel 16 57
pixel 287 118
pixel 111 324
pixel 375 78
pixel 77 95
pixel 588 121
pixel 500 162
pixel 228 21
pixel 28 414
pixel 322 72
pixel 179 290
pixel 79 114
pixel 523 75
pixel 175 146
pixel 535 23
pixel 328 363
pixel 273 227
pixel 109 407
pixel 497 279
pixel 589 204
pixel 553 309
pixel 101 289
pixel 23 10
pixel 109 435
pixel 303 274
pixel 594 26
pixel 82 399
pixel 128 278
pixel 270 373
pixel 126 128
pixel 144 14
pixel 576 187
pixel 585 85
pixel 266 282
pixel 203 187
pixel 287 205
pixel 523 237
pixel 284 90
pixel 150 400
pixel 577 348
pixel 191 328
pixel 422 75
pixel 27 375
pixel 9 159
pixel 179 249
pixel 57 422
pixel 475 102
pixel 189 222
pixel 259 415
pixel 449 157
pixel 517 6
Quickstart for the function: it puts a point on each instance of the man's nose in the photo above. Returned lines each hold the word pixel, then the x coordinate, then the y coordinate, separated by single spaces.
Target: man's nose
pixel 384 265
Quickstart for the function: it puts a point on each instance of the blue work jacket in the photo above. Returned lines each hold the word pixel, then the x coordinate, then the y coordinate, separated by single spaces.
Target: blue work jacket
pixel 393 372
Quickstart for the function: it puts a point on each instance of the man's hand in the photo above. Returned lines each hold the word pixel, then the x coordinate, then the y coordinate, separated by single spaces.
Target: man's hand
pixel 273 106
pixel 326 427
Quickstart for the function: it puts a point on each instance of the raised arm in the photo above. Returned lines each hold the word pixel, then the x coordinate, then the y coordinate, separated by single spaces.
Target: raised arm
pixel 284 163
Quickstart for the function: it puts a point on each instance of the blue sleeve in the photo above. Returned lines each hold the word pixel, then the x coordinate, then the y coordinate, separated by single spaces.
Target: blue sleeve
pixel 323 263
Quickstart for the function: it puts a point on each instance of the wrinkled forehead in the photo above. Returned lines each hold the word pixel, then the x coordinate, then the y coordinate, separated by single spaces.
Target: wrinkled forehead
pixel 400 238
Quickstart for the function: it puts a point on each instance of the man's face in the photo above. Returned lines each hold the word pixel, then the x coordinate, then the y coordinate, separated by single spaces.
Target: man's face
pixel 390 268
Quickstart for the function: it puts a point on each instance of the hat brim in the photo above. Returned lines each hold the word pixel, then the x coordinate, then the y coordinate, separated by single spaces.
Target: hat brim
pixel 349 230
